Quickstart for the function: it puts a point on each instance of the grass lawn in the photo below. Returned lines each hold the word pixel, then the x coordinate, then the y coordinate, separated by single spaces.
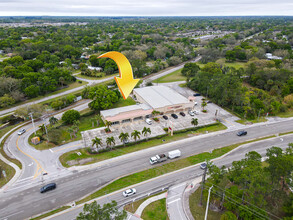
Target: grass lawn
pixel 236 65
pixel 124 102
pixel 156 210
pixel 97 78
pixel 244 122
pixel 197 211
pixel 171 77
pixel 8 170
pixel 72 155
pixel 132 207
pixel 286 114
pixel 163 169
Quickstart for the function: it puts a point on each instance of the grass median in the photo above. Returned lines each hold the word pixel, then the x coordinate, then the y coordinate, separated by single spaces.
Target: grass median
pixel 144 175
pixel 132 147
pixel 156 210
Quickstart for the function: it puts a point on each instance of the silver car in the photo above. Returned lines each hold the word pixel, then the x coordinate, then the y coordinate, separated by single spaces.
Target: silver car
pixel 21 131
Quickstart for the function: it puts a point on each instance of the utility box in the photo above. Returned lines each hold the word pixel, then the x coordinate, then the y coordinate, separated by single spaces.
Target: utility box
pixel 36 140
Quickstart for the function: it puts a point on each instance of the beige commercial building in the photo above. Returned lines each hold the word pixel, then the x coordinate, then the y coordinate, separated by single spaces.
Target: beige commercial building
pixel 158 98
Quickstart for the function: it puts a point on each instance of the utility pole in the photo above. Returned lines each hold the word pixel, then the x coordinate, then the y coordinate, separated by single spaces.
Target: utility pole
pixel 202 184
pixel 31 114
pixel 207 208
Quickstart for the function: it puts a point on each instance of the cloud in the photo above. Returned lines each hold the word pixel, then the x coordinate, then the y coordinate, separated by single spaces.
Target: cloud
pixel 145 7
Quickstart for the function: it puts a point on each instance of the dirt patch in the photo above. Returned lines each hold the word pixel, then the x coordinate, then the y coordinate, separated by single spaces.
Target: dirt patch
pixel 80 162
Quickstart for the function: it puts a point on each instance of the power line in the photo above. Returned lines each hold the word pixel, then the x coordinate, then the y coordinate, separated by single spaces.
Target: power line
pixel 253 212
pixel 248 202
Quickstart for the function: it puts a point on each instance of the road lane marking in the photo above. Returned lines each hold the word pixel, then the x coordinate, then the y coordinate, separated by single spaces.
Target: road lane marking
pixel 37 162
pixel 174 201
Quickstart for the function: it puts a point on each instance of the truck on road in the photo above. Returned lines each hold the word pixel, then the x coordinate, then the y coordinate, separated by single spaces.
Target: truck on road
pixel 158 158
pixel 174 154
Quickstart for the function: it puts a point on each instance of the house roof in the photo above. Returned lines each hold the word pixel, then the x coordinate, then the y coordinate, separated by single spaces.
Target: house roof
pixel 160 96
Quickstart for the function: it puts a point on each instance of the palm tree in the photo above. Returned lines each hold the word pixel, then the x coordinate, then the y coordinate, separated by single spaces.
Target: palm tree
pixel 194 122
pixel 135 135
pixel 61 80
pixel 123 137
pixel 42 128
pixel 96 141
pixel 108 124
pixel 76 123
pixel 53 120
pixel 110 141
pixel 146 131
pixel 74 129
pixel 70 131
pixel 203 104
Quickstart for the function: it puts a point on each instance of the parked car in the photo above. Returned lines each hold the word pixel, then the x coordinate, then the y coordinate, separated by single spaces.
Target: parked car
pixel 195 103
pixel 21 131
pixel 182 114
pixel 196 94
pixel 48 187
pixel 196 112
pixel 148 121
pixel 158 158
pixel 174 116
pixel 165 117
pixel 209 101
pixel 190 113
pixel 129 192
pixel 241 133
pixel 203 165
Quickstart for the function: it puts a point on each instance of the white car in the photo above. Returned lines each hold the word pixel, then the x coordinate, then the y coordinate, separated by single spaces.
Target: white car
pixel 196 112
pixel 191 113
pixel 195 103
pixel 21 131
pixel 129 192
pixel 148 121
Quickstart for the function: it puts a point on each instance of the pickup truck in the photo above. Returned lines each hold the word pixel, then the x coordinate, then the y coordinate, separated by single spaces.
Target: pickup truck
pixel 158 159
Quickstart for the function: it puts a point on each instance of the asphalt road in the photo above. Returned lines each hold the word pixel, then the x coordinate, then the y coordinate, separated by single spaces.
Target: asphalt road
pixel 29 202
pixel 177 177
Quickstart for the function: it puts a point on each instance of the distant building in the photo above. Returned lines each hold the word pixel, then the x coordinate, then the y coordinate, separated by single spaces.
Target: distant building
pixel 99 69
pixel 270 56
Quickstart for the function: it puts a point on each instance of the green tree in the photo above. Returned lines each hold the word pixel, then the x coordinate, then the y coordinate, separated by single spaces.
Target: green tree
pixel 228 216
pixel 42 128
pixel 194 122
pixel 53 120
pixel 123 137
pixel 108 211
pixel 70 116
pixel 71 132
pixel 110 141
pixel 103 98
pixel 203 105
pixel 108 124
pixel 97 142
pixel 135 135
pixel 190 69
pixel 6 100
pixel 146 131
pixel 32 91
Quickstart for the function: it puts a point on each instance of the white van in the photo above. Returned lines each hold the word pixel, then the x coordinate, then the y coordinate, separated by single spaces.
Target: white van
pixel 148 121
pixel 173 154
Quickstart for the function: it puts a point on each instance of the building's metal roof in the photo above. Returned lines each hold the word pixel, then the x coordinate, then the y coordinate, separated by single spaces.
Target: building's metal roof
pixel 160 96
pixel 116 111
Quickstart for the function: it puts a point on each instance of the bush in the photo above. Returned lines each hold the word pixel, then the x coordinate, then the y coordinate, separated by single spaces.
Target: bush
pixel 156 119
pixel 166 130
pixel 79 81
pixel 70 116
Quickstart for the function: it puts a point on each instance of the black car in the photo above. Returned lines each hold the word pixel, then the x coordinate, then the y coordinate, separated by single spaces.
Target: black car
pixel 209 101
pixel 174 116
pixel 182 114
pixel 203 165
pixel 165 117
pixel 48 187
pixel 241 133
pixel 196 94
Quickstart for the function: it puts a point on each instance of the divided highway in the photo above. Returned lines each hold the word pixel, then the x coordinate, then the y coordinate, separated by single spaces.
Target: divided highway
pixel 26 203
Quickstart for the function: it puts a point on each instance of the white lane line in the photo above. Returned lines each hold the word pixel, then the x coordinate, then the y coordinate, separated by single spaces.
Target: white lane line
pixel 51 151
pixel 6 217
pixel 173 197
pixel 174 201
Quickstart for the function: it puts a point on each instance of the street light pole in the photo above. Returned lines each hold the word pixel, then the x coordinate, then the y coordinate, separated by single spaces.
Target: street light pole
pixel 207 208
pixel 31 114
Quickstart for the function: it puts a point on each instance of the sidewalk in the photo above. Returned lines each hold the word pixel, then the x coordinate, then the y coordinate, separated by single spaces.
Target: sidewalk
pixel 140 209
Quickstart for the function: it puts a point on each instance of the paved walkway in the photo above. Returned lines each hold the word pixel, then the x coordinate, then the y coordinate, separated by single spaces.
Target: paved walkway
pixel 147 202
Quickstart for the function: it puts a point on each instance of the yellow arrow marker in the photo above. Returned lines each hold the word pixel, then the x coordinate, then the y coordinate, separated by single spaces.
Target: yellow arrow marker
pixel 125 83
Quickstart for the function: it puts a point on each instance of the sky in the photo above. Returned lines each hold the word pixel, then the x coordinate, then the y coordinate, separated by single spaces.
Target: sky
pixel 145 7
